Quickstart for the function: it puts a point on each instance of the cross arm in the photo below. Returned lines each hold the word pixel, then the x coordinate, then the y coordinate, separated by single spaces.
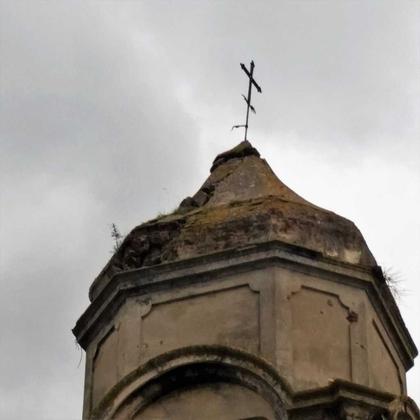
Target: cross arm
pixel 252 108
pixel 250 76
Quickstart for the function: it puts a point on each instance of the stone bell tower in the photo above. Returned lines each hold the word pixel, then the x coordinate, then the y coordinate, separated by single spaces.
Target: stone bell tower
pixel 247 302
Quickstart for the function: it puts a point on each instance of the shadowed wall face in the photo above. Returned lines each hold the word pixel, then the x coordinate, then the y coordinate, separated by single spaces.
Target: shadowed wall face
pixel 209 402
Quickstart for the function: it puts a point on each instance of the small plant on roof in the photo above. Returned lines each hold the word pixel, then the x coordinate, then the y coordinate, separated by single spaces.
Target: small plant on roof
pixel 117 237
pixel 395 283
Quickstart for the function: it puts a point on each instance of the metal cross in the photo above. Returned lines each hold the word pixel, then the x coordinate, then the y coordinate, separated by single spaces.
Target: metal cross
pixel 250 74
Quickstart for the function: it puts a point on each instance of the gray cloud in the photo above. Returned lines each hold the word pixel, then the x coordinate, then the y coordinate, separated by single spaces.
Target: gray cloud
pixel 113 111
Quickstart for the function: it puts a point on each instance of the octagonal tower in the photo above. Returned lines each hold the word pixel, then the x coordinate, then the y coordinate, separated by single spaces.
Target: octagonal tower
pixel 246 302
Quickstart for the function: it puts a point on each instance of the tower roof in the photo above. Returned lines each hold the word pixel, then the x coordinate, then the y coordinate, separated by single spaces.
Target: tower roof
pixel 241 203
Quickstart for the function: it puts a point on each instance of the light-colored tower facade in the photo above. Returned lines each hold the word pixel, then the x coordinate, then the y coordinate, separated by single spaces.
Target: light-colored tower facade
pixel 247 302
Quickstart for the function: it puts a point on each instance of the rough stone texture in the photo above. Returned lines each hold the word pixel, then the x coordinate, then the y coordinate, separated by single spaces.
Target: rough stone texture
pixel 241 203
pixel 248 302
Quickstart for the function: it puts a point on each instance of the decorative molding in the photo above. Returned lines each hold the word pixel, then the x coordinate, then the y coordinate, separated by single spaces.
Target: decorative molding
pixel 251 371
pixel 325 292
pixel 203 270
pixel 257 284
pixel 145 306
pixel 265 286
pixel 339 394
pixel 356 341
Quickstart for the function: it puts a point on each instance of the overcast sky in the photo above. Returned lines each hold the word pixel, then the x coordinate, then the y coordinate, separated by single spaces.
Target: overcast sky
pixel 114 111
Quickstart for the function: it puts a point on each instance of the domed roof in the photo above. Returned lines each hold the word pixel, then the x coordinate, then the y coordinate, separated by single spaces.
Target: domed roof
pixel 241 203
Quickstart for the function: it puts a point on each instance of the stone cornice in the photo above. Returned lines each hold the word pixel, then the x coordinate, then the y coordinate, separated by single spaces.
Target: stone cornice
pixel 110 295
pixel 343 391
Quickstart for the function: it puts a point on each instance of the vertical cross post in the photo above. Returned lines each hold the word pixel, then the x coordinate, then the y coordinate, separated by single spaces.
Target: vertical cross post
pixel 250 74
pixel 249 97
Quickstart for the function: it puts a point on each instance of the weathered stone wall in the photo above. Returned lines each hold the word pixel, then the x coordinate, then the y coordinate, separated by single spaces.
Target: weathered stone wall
pixel 328 329
pixel 313 328
pixel 284 298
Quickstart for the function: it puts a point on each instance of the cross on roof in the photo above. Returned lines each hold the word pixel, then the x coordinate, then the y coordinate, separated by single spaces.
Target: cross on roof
pixel 252 82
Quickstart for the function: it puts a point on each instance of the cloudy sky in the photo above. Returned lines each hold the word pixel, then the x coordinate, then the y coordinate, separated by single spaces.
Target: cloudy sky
pixel 113 112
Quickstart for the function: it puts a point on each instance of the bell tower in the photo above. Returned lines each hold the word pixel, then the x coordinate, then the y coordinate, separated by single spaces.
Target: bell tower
pixel 247 302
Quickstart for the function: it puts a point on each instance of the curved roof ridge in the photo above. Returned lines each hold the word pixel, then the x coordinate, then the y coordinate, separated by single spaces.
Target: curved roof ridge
pixel 241 202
